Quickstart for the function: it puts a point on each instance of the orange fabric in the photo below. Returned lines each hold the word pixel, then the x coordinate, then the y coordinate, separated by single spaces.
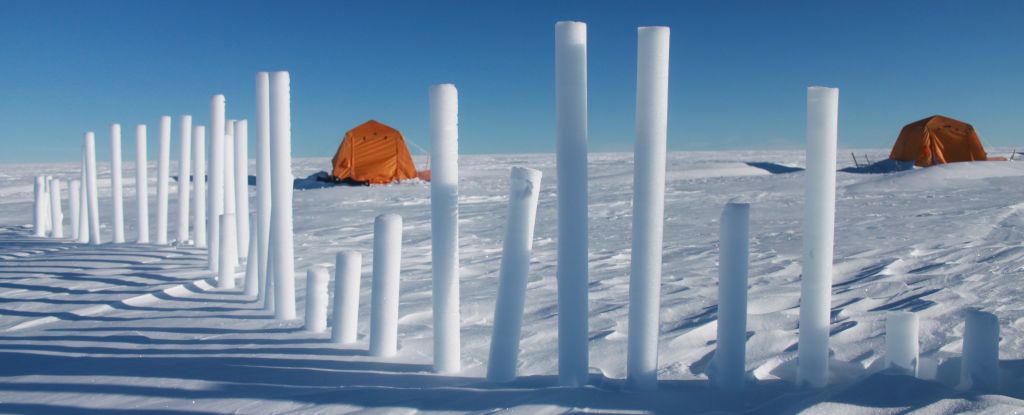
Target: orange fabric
pixel 373 153
pixel 938 140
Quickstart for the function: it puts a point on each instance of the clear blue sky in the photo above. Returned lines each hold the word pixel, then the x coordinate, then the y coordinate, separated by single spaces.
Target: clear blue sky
pixel 738 69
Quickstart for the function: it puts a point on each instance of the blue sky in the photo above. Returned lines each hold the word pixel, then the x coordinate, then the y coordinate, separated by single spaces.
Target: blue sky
pixel 738 69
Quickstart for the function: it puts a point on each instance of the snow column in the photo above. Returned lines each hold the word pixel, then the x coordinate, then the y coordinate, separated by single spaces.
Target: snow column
pixel 444 224
pixel 229 192
pixel 281 193
pixel 39 218
pixel 648 206
pixel 524 191
pixel 74 199
pixel 199 187
pixel 818 228
pixel 116 185
pixel 216 183
pixel 263 180
pixel 141 183
pixel 241 185
pixel 56 215
pixel 184 176
pixel 387 258
pixel 733 254
pixel 90 177
pixel 83 205
pixel 316 299
pixel 571 161
pixel 345 318
pixel 226 266
pixel 46 204
pixel 252 284
pixel 979 369
pixel 162 172
pixel 901 347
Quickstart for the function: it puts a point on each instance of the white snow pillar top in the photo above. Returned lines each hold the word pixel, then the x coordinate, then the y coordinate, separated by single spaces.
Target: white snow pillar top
pixel 979 367
pixel 901 345
pixel 571 167
pixel 733 258
pixel 818 234
pixel 444 227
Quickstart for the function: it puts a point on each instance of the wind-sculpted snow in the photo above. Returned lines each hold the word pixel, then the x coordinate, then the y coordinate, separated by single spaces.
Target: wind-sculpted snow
pixel 129 328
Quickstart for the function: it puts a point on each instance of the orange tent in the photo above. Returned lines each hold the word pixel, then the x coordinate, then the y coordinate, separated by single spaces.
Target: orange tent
pixel 938 140
pixel 373 153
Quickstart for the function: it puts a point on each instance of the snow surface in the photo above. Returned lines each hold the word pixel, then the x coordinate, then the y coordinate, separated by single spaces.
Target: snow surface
pixel 139 329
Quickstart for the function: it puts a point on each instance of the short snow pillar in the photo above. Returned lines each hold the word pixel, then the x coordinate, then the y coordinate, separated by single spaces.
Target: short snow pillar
pixel 163 169
pixel 316 299
pixel 524 192
pixel 116 183
pixel 141 184
pixel 74 199
pixel 40 212
pixel 252 284
pixel 818 233
pixel 56 214
pixel 571 167
pixel 345 318
pixel 444 225
pixel 282 186
pixel 387 257
pixel 227 265
pixel 648 207
pixel 729 362
pixel 901 346
pixel 979 368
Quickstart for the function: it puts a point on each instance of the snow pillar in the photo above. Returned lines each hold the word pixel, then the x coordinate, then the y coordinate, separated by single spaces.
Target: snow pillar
pixel 116 185
pixel 263 180
pixel 524 191
pixel 571 161
pixel 46 205
pixel 901 347
pixel 252 285
pixel 226 265
pixel 282 187
pixel 162 172
pixel 241 185
pixel 229 174
pixel 316 299
pixel 39 218
pixel 733 254
pixel 215 202
pixel 141 183
pixel 199 186
pixel 387 258
pixel 444 225
pixel 979 368
pixel 184 176
pixel 818 228
pixel 90 177
pixel 74 199
pixel 83 205
pixel 56 214
pixel 345 318
pixel 648 206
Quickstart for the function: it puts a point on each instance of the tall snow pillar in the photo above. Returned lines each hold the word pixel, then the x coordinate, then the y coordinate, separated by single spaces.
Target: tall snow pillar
pixel 241 185
pixel 281 192
pixel 524 191
pixel 901 346
pixel 252 284
pixel 116 184
pixel 316 299
pixel 263 180
pixel 387 263
pixel 229 173
pixel 56 214
pixel 345 318
pixel 648 206
pixel 184 176
pixel 90 177
pixel 46 204
pixel 199 186
pixel 979 368
pixel 444 225
pixel 141 183
pixel 163 169
pixel 39 218
pixel 226 265
pixel 74 199
pixel 818 233
pixel 733 255
pixel 83 205
pixel 215 202
pixel 571 161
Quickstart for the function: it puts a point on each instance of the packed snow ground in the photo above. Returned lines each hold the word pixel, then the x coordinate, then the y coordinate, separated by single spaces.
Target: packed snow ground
pixel 137 329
